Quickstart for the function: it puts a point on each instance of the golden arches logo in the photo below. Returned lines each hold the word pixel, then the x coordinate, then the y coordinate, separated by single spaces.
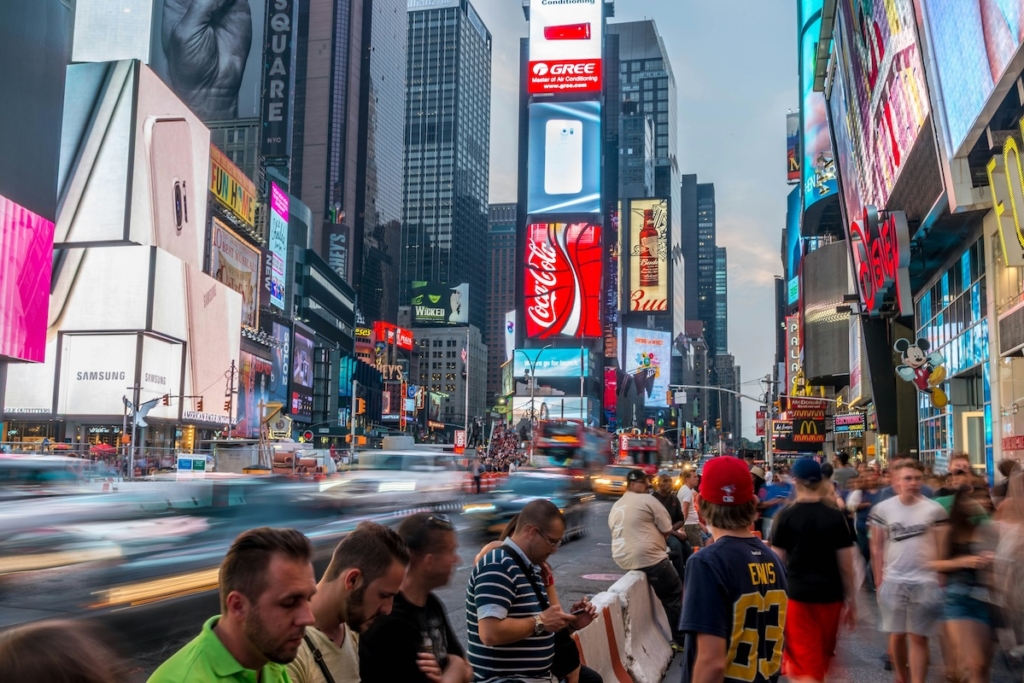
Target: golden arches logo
pixel 808 427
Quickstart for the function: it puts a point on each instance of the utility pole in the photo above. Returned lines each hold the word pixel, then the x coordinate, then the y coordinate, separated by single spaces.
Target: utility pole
pixel 135 419
pixel 466 387
pixel 352 424
pixel 769 417
pixel 582 373
pixel 231 395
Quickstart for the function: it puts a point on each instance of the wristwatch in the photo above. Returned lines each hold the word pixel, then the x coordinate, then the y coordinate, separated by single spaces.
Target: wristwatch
pixel 538 625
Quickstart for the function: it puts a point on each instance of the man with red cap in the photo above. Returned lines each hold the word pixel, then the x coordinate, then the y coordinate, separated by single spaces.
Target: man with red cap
pixel 734 600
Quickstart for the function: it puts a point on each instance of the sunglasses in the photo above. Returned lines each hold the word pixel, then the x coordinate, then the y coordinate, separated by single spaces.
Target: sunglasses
pixel 439 521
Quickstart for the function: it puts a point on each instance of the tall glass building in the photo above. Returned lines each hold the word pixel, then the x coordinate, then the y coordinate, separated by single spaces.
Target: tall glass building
pixel 707 297
pixel 447 153
pixel 721 303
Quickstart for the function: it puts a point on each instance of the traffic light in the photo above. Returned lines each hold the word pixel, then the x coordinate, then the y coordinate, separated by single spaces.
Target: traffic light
pixel 167 399
pixel 360 406
pixel 227 406
pixel 199 405
pixel 718 424
pixel 661 418
pixel 668 397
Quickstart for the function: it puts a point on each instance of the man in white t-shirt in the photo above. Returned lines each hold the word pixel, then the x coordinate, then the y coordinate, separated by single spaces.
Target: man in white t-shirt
pixel 904 541
pixel 640 526
pixel 691 523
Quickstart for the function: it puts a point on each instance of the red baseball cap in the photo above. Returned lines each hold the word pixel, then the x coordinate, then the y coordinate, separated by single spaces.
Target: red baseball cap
pixel 726 481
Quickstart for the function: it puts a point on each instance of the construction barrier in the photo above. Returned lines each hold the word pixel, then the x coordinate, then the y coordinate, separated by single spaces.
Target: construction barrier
pixel 601 644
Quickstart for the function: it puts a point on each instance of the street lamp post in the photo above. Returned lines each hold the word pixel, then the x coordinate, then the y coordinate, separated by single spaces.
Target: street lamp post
pixel 532 377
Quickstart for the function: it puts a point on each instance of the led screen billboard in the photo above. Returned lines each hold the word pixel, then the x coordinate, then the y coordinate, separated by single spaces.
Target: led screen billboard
pixel 565 46
pixel 278 244
pixel 214 318
pixel 549 407
pixel 392 335
pixel 254 377
pixel 280 364
pixel 26 257
pixel 236 263
pixel 510 334
pixel 562 280
pixel 302 376
pixel 884 95
pixel 232 188
pixel 817 165
pixel 211 54
pixel 794 246
pixel 551 362
pixel 564 158
pixel 649 361
pixel 973 43
pixel 439 303
pixel 648 255
pixel 793 148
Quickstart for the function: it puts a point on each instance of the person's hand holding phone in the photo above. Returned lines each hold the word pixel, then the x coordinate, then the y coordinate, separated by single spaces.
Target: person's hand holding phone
pixel 583 613
pixel 554 619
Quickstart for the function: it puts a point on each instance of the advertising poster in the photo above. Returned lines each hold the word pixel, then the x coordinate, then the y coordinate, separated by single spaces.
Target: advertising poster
pixel 232 188
pixel 214 318
pixel 549 407
pixel 648 255
pixel 794 246
pixel 280 364
pixel 254 376
pixel 278 69
pixel 973 43
pixel 434 410
pixel 552 362
pixel 236 263
pixel 338 248
pixel 278 244
pixel 439 303
pixel 564 158
pixel 649 362
pixel 562 280
pixel 212 59
pixel 612 295
pixel 793 148
pixel 886 95
pixel 26 257
pixel 391 335
pixel 611 396
pixel 817 166
pixel 96 371
pixel 565 46
pixel 302 376
pixel 510 334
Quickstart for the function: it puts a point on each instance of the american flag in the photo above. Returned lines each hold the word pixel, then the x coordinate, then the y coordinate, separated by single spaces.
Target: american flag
pixel 464 354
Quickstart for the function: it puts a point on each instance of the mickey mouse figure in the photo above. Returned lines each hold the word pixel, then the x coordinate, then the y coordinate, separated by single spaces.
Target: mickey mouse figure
pixel 924 370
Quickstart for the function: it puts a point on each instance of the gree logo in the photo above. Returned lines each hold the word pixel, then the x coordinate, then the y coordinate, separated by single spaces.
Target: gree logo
pixel 540 69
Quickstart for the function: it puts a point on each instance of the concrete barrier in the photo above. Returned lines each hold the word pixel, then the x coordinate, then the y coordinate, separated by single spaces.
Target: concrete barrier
pixel 602 643
pixel 648 647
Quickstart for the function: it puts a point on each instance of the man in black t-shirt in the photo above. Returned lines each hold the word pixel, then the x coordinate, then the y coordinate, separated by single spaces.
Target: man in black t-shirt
pixel 415 643
pixel 814 541
pixel 734 601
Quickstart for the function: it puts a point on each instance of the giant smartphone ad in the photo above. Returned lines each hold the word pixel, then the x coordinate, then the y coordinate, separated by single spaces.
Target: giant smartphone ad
pixel 302 376
pixel 564 158
pixel 565 45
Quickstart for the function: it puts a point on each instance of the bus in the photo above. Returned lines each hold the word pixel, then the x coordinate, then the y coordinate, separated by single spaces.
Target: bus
pixel 569 443
pixel 647 451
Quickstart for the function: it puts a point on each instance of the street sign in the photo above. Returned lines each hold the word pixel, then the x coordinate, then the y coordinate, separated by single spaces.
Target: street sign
pixel 307 435
pixel 760 422
pixel 460 441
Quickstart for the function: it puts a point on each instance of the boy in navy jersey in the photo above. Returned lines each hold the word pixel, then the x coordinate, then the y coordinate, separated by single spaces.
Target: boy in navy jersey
pixel 734 600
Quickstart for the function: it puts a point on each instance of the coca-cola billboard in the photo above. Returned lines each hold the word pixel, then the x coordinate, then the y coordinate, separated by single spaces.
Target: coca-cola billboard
pixel 562 280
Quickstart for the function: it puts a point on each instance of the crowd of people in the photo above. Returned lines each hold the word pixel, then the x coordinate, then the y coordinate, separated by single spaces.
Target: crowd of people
pixel 502 454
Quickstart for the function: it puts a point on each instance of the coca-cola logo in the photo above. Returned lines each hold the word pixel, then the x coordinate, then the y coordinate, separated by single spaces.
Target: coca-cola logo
pixel 540 266
pixel 562 283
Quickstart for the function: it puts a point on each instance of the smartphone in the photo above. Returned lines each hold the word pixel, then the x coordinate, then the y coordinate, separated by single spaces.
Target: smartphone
pixel 579 611
pixel 208 328
pixel 175 219
pixel 568 32
pixel 563 156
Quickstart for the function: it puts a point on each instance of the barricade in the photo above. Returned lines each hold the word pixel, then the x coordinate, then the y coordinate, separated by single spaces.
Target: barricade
pixel 601 644
pixel 648 647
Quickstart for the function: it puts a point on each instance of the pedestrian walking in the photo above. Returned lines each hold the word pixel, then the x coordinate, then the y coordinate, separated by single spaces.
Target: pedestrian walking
pixel 679 549
pixel 415 643
pixel 510 623
pixel 734 611
pixel 904 545
pixel 266 584
pixel 859 503
pixel 692 526
pixel 358 586
pixel 967 551
pixel 59 651
pixel 814 542
pixel 639 526
pixel 478 471
pixel 843 471
pixel 1008 569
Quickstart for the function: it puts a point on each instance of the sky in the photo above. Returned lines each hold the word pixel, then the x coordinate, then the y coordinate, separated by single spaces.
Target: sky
pixel 735 64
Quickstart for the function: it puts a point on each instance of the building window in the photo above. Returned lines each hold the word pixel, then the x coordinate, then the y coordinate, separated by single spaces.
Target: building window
pixel 450 376
pixel 436 377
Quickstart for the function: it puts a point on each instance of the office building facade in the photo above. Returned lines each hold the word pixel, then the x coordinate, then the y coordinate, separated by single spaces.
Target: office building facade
pixel 721 302
pixel 443 371
pixel 447 152
pixel 501 287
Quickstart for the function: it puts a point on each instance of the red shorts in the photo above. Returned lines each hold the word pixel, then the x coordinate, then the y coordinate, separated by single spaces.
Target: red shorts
pixel 811 632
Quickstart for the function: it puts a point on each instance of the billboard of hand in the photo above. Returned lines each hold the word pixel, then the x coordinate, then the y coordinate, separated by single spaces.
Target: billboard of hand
pixel 207 43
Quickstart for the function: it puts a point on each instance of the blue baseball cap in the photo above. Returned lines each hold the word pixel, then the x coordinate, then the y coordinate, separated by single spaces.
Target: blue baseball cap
pixel 806 469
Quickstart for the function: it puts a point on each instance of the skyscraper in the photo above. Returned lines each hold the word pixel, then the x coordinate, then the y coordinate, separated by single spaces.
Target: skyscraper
pixel 721 303
pixel 447 138
pixel 706 256
pixel 501 287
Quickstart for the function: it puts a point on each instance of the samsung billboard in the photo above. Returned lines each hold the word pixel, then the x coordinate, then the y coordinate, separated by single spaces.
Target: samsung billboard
pixel 551 363
pixel 564 158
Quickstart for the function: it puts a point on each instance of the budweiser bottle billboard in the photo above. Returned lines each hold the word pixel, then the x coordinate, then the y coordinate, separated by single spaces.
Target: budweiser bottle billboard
pixel 648 251
pixel 562 280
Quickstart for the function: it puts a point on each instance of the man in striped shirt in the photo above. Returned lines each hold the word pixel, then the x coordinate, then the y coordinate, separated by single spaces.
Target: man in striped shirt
pixel 511 636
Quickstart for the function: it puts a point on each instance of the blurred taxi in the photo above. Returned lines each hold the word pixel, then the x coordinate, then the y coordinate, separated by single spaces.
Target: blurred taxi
pixel 611 481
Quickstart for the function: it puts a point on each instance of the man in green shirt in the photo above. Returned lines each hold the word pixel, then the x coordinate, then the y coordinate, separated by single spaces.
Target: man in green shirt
pixel 266 584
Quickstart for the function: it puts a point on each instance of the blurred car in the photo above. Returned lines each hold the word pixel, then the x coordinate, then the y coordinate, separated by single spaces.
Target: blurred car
pixel 569 493
pixel 611 481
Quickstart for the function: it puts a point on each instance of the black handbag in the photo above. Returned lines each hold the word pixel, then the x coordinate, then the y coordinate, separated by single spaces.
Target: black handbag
pixel 567 656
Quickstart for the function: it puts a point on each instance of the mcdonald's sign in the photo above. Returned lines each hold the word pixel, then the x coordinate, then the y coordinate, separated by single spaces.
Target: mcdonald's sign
pixel 808 431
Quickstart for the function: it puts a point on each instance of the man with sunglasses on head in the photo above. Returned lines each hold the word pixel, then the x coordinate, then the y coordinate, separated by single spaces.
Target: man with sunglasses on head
pixel 510 623
pixel 415 643
pixel 358 587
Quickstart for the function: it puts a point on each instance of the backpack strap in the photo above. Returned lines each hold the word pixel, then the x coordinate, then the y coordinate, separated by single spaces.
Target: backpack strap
pixel 318 657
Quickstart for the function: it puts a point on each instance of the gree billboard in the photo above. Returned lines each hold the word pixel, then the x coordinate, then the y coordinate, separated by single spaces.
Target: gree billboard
pixel 565 46
pixel 562 280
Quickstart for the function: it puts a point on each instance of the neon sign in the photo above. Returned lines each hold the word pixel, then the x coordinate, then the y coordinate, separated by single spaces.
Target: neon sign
pixel 1008 192
pixel 881 252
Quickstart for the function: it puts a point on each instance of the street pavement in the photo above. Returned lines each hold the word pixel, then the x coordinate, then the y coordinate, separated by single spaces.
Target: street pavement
pixel 584 567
